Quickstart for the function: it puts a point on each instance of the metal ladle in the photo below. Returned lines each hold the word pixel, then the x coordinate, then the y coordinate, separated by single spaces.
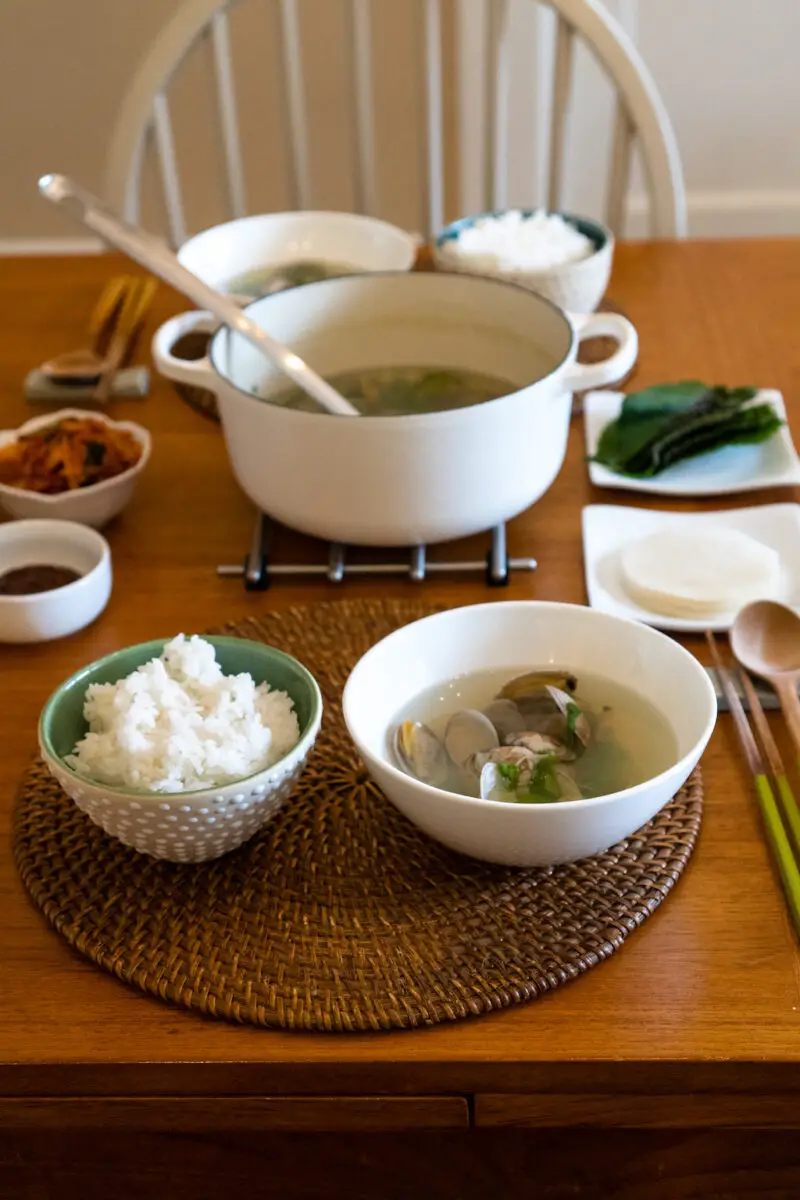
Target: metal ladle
pixel 149 252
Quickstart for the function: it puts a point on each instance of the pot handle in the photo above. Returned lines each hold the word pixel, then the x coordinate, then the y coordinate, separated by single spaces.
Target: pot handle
pixel 198 371
pixel 581 377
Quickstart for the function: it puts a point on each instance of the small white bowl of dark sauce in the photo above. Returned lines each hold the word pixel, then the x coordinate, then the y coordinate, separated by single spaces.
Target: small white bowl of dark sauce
pixel 55 578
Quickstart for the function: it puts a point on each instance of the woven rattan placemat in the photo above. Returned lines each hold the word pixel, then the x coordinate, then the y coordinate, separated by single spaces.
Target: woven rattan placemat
pixel 339 915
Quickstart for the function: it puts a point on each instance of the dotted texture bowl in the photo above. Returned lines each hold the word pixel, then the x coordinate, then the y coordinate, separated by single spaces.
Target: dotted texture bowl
pixel 576 287
pixel 186 826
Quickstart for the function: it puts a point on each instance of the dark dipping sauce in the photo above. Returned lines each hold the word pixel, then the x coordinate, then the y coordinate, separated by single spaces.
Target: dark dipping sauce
pixel 39 577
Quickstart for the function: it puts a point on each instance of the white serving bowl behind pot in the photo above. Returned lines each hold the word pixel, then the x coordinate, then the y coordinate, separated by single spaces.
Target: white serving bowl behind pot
pixel 223 253
pixel 402 480
pixel 516 636
pixel 220 254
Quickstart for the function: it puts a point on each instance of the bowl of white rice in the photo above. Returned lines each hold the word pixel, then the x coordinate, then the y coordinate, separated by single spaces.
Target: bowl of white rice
pixel 183 748
pixel 563 257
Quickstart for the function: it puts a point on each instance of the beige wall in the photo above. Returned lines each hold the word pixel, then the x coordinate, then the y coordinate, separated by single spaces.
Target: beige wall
pixel 727 70
pixel 728 74
pixel 66 63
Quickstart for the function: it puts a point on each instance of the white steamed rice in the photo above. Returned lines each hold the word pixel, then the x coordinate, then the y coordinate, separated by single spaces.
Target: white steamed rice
pixel 513 241
pixel 177 724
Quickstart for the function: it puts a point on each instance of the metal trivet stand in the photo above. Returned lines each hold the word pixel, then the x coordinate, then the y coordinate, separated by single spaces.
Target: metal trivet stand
pixel 258 570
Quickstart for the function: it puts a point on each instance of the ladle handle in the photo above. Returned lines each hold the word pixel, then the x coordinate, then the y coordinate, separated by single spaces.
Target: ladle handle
pixel 790 703
pixel 151 253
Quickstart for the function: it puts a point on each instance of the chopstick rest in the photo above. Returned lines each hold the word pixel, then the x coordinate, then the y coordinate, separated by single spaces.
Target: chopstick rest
pixel 768 699
pixel 130 382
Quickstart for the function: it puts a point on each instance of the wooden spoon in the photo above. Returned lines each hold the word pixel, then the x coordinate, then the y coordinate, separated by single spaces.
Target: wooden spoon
pixel 765 638
pixel 76 366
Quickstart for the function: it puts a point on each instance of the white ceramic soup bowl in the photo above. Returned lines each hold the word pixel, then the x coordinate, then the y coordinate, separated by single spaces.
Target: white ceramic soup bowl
pixel 221 254
pixel 44 616
pixel 402 480
pixel 517 636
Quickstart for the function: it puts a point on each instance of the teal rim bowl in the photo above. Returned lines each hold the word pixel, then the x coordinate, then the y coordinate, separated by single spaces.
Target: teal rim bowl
pixel 597 233
pixel 62 722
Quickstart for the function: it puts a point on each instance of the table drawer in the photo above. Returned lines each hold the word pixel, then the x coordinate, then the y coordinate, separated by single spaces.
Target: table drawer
pixel 705 1110
pixel 212 1114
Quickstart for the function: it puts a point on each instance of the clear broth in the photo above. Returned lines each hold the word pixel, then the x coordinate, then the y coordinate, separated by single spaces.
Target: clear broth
pixel 404 391
pixel 263 281
pixel 632 742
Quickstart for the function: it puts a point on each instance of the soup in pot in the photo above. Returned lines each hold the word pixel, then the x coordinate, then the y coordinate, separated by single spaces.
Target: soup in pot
pixel 404 391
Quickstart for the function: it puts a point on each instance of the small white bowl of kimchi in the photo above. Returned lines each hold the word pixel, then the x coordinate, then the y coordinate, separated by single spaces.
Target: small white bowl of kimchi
pixel 71 465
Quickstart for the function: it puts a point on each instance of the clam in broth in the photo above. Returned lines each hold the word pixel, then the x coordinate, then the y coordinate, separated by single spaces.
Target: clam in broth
pixel 537 738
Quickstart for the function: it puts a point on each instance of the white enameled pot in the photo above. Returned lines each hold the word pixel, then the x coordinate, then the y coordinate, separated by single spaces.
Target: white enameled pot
pixel 399 481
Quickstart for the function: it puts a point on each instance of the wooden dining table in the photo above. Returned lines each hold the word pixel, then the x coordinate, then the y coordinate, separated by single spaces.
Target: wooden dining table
pixel 672 1069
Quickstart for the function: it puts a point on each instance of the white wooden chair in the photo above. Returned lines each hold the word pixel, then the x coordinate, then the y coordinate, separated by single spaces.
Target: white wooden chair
pixel 145 122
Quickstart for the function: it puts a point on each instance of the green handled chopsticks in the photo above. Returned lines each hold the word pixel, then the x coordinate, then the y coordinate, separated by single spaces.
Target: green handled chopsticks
pixel 781 846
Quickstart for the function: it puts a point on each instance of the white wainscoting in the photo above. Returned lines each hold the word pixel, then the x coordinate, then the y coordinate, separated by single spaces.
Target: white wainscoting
pixel 727 71
pixel 729 214
pixel 18 247
pixel 717 214
pixel 732 210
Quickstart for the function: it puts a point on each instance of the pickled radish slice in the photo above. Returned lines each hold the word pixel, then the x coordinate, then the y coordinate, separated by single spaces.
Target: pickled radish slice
pixel 697 573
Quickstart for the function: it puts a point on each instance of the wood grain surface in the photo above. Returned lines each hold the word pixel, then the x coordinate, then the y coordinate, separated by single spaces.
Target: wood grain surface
pixel 704 998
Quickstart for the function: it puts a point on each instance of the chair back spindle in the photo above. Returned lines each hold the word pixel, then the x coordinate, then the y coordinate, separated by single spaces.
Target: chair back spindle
pixel 639 116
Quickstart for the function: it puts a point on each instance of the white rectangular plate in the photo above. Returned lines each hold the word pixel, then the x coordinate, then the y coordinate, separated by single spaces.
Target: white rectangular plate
pixel 609 527
pixel 774 463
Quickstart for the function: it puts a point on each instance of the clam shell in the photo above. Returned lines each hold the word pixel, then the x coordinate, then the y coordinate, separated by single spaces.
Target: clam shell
pixel 506 718
pixel 421 754
pixel 494 786
pixel 468 733
pixel 545 709
pixel 534 681
pixel 569 788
